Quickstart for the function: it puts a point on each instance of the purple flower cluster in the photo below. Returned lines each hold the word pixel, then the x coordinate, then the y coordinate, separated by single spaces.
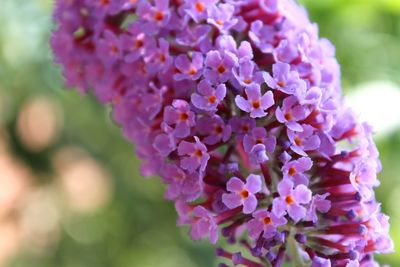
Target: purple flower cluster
pixel 237 105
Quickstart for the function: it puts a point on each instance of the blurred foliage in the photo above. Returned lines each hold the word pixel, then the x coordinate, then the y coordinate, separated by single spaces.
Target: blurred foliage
pixel 137 227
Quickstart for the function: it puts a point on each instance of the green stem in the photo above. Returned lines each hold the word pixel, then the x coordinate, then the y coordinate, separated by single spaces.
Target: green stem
pixel 294 252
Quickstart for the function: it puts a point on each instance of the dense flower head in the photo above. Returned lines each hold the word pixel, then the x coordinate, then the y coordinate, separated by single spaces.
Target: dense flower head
pixel 237 106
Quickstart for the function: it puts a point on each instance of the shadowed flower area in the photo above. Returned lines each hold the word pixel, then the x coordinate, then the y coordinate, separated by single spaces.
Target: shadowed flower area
pixel 70 189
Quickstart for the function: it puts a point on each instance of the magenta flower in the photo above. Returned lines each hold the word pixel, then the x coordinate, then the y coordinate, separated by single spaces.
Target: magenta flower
pixel 255 104
pixel 291 200
pixel 209 98
pixel 242 194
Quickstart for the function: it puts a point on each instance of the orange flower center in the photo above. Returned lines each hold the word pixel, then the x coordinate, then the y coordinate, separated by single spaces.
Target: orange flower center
pixel 256 104
pixel 104 2
pixel 221 69
pixel 267 220
pixel 292 171
pixel 218 129
pixel 159 16
pixel 183 116
pixel 288 116
pixel 219 22
pixel 245 128
pixel 139 43
pixel 192 71
pixel 289 200
pixel 297 141
pixel 162 57
pixel 212 99
pixel 244 193
pixel 281 83
pixel 114 49
pixel 247 81
pixel 199 7
pixel 198 153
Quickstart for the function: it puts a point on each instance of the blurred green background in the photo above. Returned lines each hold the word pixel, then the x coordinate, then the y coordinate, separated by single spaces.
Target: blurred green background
pixel 70 191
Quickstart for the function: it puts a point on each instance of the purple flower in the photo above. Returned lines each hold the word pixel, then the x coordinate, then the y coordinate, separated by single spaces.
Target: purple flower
pixel 180 116
pixel 136 43
pixel 258 154
pixel 209 98
pixel 263 36
pixel 320 262
pixel 198 103
pixel 155 16
pixel 264 222
pixel 295 170
pixel 181 185
pixel 226 43
pixel 160 60
pixel 256 104
pixel 258 135
pixel 303 141
pixel 290 200
pixel 257 144
pixel 204 225
pixel 283 78
pixel 221 17
pixel 166 142
pixel 363 178
pixel 242 126
pixel 242 193
pixel 271 6
pixel 320 203
pixel 193 35
pixel 196 155
pixel 214 129
pixel 246 75
pixel 197 9
pixel 191 70
pixel 219 66
pixel 286 51
pixel 109 48
pixel 291 113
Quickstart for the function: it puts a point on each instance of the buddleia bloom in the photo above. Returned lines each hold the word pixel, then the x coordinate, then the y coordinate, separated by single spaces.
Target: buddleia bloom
pixel 237 106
